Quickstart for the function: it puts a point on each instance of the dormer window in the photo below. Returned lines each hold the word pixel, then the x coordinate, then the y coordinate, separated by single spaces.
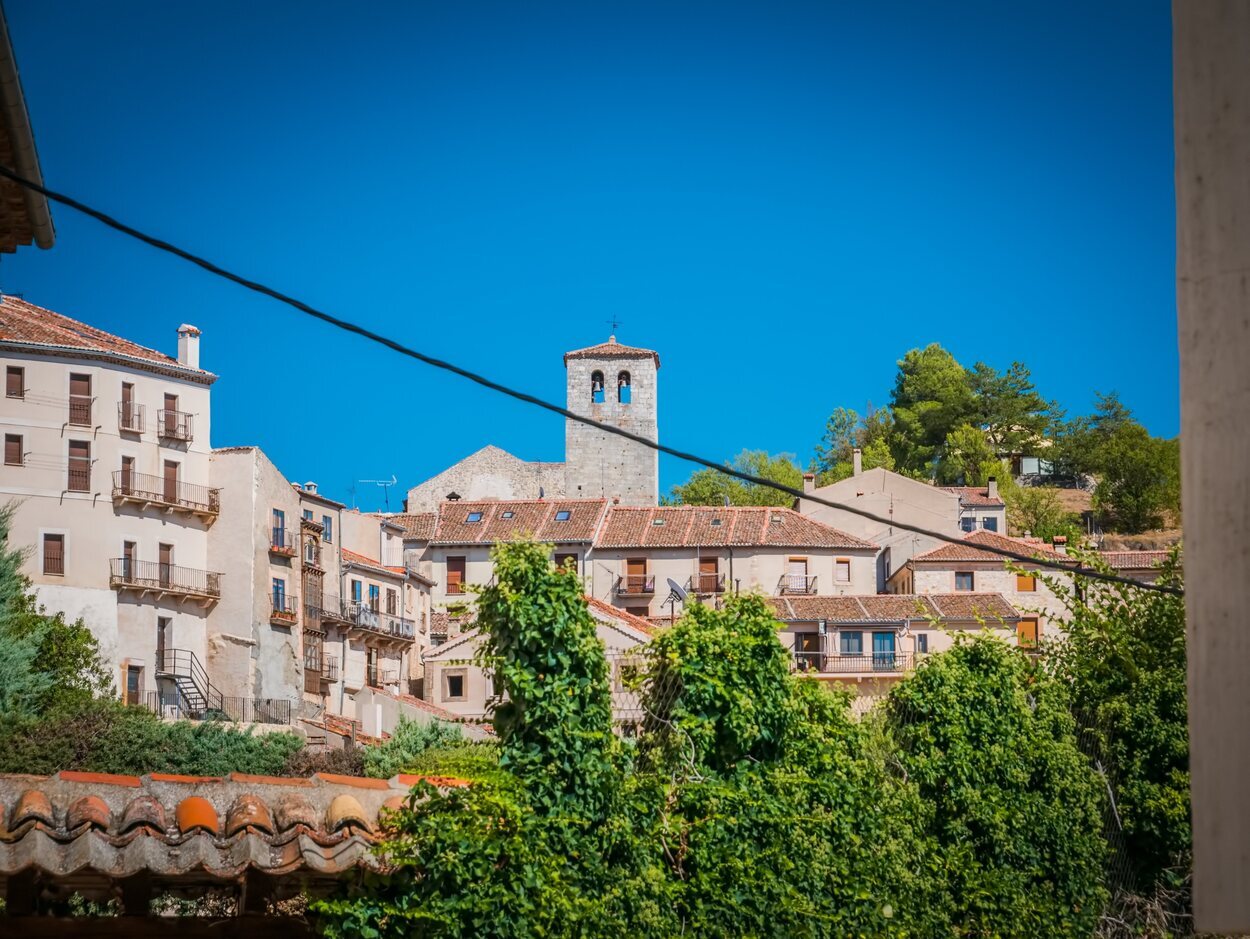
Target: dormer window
pixel 474 517
pixel 563 515
pixel 596 387
pixel 623 388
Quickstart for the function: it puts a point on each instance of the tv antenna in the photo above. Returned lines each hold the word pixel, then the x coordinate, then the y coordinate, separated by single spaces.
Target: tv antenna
pixel 675 594
pixel 614 323
pixel 386 488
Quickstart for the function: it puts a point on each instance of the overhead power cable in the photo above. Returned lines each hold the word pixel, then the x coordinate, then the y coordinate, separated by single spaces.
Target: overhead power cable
pixel 1022 556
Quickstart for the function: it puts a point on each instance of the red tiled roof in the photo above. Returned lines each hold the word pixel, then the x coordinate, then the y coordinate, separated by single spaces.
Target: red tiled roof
pixel 967 550
pixel 974 496
pixel 29 325
pixel 534 518
pixel 690 526
pixel 612 350
pixel 1133 560
pixel 640 623
pixel 359 560
pixel 99 829
pixel 417 526
pixel 893 608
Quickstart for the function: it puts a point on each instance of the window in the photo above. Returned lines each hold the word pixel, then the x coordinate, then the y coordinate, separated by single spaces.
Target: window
pixel 1026 632
pixel 128 474
pixel 79 475
pixel 327 529
pixel 807 652
pixel 989 523
pixel 842 570
pixel 454 685
pixel 623 389
pixel 170 482
pixel 80 400
pixel 308 515
pixel 371 668
pixel 563 515
pixel 356 588
pixel 474 517
pixel 279 593
pixel 922 642
pixel 851 643
pixel 967 523
pixel 375 597
pixel 13 450
pixel 566 560
pixel 15 382
pixel 963 580
pixel 1026 583
pixel 134 684
pixel 128 413
pixel 506 514
pixel 54 554
pixel 455 575
pixel 279 528
pixel 596 387
pixel 310 551
pixel 391 601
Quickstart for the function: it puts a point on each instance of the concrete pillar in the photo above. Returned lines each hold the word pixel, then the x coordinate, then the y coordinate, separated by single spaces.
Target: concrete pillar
pixel 1211 94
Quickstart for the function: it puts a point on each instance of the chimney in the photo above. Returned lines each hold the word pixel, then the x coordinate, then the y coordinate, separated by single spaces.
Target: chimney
pixel 857 461
pixel 188 346
pixel 809 482
pixel 310 487
pixel 991 487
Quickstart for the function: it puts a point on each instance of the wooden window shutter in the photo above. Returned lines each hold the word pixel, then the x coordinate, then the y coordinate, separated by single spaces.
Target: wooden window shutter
pixel 13 449
pixel 15 381
pixel 54 554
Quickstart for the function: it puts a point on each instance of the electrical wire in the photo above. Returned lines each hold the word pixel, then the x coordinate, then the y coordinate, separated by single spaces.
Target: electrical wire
pixel 395 346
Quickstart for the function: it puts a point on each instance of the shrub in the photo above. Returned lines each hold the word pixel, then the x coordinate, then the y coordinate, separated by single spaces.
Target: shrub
pixel 409 739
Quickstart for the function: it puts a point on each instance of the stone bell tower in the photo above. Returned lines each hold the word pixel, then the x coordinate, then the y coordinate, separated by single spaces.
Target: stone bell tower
pixel 614 384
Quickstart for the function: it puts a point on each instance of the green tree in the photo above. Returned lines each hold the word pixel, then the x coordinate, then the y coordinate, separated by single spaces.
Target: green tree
pixel 1080 443
pixel 709 487
pixel 967 458
pixel 1039 511
pixel 1009 409
pixel 842 432
pixel 932 396
pixel 1016 811
pixel 1140 479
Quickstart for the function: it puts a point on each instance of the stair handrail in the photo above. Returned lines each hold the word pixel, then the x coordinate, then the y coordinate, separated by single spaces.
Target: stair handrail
pixel 173 664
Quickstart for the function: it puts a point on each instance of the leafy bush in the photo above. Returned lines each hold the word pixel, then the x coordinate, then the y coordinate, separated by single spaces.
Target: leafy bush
pixel 473 760
pixel 409 739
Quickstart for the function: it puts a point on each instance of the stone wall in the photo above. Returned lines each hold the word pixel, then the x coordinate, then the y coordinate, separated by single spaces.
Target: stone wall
pixel 490 473
pixel 600 465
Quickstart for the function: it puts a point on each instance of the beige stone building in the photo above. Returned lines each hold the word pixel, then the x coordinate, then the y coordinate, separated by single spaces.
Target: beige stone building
pixel 107 462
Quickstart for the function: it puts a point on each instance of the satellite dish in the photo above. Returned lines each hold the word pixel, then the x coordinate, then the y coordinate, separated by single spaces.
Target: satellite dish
pixel 678 592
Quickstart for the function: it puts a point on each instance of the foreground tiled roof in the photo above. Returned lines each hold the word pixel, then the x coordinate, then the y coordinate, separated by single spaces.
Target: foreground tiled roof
pixel 612 350
pixel 417 526
pixel 536 518
pixel 894 608
pixel 974 496
pixel 29 325
pixel 689 526
pixel 189 829
pixel 967 549
pixel 639 623
pixel 1134 560
pixel 359 560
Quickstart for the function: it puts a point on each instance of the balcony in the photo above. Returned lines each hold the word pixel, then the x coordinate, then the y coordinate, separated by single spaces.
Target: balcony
pixel 283 542
pixel 329 668
pixel 706 583
pixel 174 425
pixel 284 610
pixel 791 584
pixel 873 663
pixel 164 579
pixel 635 585
pixel 131 417
pixel 143 489
pixel 312 555
pixel 80 410
pixel 360 615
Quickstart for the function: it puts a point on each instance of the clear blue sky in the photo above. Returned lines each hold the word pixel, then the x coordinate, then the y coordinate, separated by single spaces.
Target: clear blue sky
pixel 780 198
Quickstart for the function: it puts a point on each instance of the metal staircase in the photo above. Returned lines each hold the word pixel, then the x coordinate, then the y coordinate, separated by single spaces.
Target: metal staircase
pixel 196 696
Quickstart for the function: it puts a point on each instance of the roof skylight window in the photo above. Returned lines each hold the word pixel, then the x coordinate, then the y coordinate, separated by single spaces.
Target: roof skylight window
pixel 474 517
pixel 563 515
pixel 506 514
pixel 657 522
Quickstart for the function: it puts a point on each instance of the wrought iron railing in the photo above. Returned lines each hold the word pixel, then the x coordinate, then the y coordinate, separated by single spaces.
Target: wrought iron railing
pixel 283 541
pixel 284 607
pixel 796 583
pixel 362 613
pixel 706 583
pixel 853 663
pixel 240 710
pixel 131 417
pixel 80 410
pixel 153 575
pixel 635 585
pixel 330 668
pixel 175 425
pixel 128 484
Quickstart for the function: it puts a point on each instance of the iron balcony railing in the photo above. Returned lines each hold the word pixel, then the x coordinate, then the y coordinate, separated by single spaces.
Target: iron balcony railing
pixel 80 410
pixel 284 608
pixel 312 553
pixel 168 703
pixel 330 668
pixel 283 541
pixel 796 583
pixel 144 487
pixel 706 583
pixel 168 578
pixel 853 663
pixel 131 417
pixel 174 425
pixel 362 613
pixel 635 585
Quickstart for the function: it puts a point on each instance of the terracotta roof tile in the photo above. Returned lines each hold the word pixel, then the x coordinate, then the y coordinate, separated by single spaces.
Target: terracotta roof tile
pixel 1133 560
pixel 417 526
pixel 359 560
pixel 894 608
pixel 974 496
pixel 691 526
pixel 640 623
pixel 30 325
pixel 541 519
pixel 612 350
pixel 967 549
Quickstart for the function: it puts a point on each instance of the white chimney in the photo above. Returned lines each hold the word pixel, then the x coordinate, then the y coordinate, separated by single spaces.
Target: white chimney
pixel 857 461
pixel 188 346
pixel 310 487
pixel 809 482
pixel 991 487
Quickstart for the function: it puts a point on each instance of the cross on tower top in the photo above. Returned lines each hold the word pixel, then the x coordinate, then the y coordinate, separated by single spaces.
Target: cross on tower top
pixel 614 323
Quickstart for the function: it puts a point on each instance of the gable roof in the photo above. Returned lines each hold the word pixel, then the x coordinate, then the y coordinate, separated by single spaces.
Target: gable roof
pixel 612 350
pixel 975 496
pixel 417 526
pixel 895 608
pixel 536 518
pixel 26 216
pixel 720 526
pixel 32 328
pixel 353 559
pixel 967 549
pixel 1133 560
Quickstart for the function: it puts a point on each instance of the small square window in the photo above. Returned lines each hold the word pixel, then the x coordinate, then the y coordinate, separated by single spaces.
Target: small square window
pixel 922 643
pixel 716 523
pixel 453 686
pixel 507 514
pixel 563 515
pixel 967 523
pixel 989 523
pixel 963 580
pixel 474 517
